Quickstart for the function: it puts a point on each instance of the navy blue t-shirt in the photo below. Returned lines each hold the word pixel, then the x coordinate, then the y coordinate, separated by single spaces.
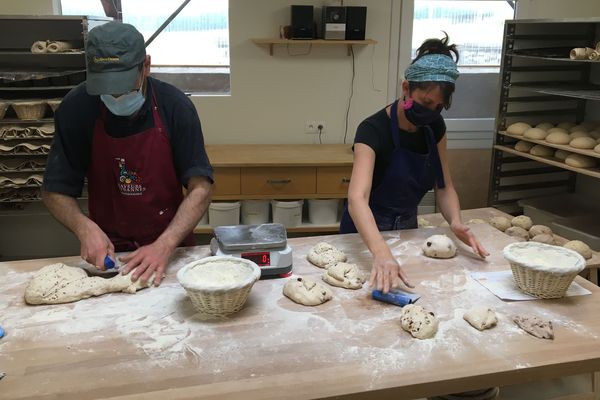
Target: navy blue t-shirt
pixel 70 155
pixel 376 132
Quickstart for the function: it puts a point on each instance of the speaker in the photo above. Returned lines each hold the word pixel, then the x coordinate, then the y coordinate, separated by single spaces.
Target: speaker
pixel 356 23
pixel 303 22
pixel 334 23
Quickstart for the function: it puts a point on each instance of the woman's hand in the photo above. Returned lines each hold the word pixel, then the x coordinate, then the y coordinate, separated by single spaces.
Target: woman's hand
pixel 466 236
pixel 387 274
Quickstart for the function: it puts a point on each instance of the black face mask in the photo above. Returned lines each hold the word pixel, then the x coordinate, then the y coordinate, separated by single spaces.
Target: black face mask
pixel 418 114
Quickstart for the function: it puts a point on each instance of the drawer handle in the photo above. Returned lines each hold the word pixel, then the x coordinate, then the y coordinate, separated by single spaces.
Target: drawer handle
pixel 278 181
pixel 345 180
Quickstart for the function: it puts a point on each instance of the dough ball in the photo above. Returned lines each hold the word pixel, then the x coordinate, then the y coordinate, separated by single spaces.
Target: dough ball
pixel 481 318
pixel 535 133
pixel 597 148
pixel 578 134
pixel 578 128
pixel 566 125
pixel 580 161
pixel 419 322
pixel 541 151
pixel 522 221
pixel 476 221
pixel 323 255
pixel 523 146
pixel 595 134
pixel 559 240
pixel 439 246
pixel 561 130
pixel 423 223
pixel 561 154
pixel 543 238
pixel 579 247
pixel 500 223
pixel 307 292
pixel 517 232
pixel 545 125
pixel 558 138
pixel 344 275
pixel 583 143
pixel 539 230
pixel 518 128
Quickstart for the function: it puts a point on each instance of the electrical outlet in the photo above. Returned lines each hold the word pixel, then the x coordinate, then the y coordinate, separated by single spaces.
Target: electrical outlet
pixel 312 127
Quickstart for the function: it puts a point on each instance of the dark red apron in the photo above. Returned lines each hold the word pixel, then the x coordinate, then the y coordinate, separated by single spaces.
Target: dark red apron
pixel 133 188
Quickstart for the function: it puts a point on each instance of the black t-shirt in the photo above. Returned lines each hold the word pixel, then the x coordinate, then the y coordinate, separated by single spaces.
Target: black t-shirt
pixel 74 120
pixel 376 132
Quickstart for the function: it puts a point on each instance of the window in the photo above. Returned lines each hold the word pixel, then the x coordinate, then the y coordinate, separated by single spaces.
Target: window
pixel 477 27
pixel 192 52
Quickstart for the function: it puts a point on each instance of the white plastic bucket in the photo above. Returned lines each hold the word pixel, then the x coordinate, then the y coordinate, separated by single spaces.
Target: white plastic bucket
pixel 220 214
pixel 323 211
pixel 255 212
pixel 287 213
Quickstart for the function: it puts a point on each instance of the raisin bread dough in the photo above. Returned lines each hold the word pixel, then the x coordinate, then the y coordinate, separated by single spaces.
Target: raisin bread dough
pixel 59 283
pixel 579 247
pixel 481 318
pixel 522 221
pixel 419 322
pixel 439 246
pixel 500 223
pixel 307 292
pixel 324 255
pixel 535 326
pixel 344 275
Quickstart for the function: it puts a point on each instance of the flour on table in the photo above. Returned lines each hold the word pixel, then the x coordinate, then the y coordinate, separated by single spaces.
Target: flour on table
pixel 59 283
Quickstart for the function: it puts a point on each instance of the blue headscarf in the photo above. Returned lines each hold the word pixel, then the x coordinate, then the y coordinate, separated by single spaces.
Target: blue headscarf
pixel 432 68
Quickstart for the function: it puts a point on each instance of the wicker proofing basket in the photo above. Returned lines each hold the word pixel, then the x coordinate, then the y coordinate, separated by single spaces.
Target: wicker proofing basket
pixel 219 300
pixel 30 109
pixel 543 279
pixel 53 103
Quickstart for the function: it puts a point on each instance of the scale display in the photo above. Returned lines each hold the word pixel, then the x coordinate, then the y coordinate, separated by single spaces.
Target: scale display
pixel 261 258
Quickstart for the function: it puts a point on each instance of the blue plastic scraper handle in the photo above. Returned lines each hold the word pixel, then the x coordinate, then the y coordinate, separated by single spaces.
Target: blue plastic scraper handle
pixel 108 263
pixel 1 332
pixel 396 297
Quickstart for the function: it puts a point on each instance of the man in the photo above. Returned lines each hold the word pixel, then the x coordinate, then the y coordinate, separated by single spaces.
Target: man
pixel 137 140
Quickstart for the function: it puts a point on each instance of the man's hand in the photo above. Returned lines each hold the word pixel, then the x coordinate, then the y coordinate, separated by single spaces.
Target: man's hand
pixel 146 260
pixel 95 245
pixel 466 236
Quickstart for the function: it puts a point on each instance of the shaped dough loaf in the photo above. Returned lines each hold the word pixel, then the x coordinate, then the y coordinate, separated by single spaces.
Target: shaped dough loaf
pixel 539 230
pixel 541 151
pixel 522 221
pixel 561 154
pixel 324 255
pixel 307 292
pixel 439 246
pixel 579 247
pixel 580 161
pixel 558 138
pixel 481 318
pixel 344 275
pixel 535 326
pixel 523 146
pixel 535 133
pixel 59 283
pixel 583 143
pixel 517 232
pixel 500 223
pixel 518 128
pixel 420 323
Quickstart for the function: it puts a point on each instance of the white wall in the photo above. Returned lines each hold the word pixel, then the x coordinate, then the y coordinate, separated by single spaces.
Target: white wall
pixel 558 8
pixel 272 97
pixel 27 7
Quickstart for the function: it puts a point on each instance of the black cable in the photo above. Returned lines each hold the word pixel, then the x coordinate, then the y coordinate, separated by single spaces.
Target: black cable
pixel 351 95
pixel 320 134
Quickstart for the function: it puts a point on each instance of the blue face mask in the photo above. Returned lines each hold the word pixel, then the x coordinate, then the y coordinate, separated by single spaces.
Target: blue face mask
pixel 418 114
pixel 126 104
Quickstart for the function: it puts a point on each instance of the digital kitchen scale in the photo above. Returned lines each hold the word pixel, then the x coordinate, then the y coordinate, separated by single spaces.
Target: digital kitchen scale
pixel 264 244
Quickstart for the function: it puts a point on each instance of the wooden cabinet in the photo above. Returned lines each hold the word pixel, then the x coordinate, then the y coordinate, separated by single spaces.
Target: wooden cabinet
pixel 281 172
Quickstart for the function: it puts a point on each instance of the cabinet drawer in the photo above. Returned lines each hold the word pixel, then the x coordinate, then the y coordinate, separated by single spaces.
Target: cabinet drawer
pixel 333 180
pixel 274 181
pixel 227 181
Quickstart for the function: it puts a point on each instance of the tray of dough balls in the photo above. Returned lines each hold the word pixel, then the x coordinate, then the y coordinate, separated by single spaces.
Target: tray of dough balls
pixel 523 229
pixel 577 145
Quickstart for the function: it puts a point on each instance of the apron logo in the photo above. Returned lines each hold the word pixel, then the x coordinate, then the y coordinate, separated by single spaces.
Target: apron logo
pixel 130 183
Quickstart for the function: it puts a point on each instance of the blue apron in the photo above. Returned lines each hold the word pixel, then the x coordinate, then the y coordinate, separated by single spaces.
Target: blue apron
pixel 409 176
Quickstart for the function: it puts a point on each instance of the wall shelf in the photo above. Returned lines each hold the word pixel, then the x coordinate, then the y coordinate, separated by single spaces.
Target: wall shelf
pixel 318 42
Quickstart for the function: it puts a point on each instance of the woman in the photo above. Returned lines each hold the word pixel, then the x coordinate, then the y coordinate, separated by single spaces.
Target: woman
pixel 399 155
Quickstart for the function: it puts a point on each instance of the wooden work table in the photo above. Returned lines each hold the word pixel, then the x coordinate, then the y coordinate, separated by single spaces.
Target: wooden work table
pixel 152 345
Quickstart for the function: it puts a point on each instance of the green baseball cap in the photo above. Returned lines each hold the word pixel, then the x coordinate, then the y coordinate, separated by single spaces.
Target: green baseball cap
pixel 114 52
